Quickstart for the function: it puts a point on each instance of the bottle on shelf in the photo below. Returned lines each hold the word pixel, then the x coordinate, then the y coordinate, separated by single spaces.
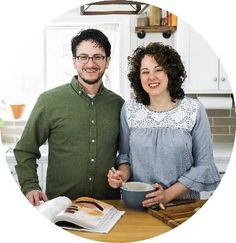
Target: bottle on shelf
pixel 154 14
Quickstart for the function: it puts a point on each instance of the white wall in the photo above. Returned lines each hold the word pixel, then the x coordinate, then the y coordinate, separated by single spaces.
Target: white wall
pixel 29 75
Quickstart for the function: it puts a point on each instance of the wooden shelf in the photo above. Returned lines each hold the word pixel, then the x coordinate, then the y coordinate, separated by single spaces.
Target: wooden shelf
pixel 155 29
pixel 114 7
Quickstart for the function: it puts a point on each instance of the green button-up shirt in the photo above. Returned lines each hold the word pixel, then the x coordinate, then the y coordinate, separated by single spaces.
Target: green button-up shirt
pixel 82 134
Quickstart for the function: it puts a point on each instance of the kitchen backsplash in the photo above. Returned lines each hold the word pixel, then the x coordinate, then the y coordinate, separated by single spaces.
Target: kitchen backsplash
pixel 222 122
pixel 11 131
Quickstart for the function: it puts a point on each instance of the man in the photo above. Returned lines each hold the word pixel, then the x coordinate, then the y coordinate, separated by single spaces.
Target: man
pixel 80 121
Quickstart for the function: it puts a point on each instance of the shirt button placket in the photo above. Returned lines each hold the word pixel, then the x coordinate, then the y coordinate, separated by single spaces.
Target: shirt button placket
pixel 92 144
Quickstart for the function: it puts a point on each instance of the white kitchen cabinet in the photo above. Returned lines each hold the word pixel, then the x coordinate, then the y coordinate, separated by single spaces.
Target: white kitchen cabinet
pixel 11 164
pixel 41 170
pixel 205 73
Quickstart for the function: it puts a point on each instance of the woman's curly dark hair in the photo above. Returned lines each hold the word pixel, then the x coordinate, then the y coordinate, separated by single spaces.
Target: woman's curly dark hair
pixel 166 57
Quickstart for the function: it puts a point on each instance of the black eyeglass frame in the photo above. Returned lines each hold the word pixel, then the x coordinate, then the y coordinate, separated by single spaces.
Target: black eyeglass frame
pixel 92 57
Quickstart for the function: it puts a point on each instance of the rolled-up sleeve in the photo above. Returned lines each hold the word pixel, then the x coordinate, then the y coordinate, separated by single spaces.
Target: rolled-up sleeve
pixel 123 156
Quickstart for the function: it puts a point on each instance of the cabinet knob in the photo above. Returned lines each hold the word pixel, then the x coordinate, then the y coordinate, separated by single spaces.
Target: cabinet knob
pixel 215 79
pixel 223 79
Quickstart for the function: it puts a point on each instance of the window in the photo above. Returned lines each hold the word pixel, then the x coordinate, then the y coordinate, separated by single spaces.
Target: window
pixel 47 61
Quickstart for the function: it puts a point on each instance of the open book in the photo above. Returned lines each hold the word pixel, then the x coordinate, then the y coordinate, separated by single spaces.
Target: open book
pixel 84 213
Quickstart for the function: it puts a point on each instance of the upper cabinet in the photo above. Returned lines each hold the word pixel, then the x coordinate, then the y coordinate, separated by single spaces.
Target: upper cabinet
pixel 205 73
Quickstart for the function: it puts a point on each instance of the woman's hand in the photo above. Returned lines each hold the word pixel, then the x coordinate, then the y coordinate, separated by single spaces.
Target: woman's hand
pixel 115 178
pixel 157 197
pixel 162 196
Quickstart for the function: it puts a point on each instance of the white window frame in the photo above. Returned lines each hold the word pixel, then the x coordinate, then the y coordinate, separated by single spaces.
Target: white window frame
pixel 123 44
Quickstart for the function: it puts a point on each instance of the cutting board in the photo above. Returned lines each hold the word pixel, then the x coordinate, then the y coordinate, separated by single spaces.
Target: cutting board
pixel 175 214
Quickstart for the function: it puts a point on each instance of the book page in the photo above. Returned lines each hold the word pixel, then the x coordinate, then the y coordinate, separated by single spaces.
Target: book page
pixel 108 222
pixel 90 214
pixel 53 207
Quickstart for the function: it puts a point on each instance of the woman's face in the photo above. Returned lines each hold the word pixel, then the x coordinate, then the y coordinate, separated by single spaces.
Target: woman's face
pixel 153 77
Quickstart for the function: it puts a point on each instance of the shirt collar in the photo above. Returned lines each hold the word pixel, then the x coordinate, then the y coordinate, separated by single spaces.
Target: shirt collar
pixel 80 90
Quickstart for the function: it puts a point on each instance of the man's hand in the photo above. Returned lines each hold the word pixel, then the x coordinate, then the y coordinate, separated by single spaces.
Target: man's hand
pixel 35 196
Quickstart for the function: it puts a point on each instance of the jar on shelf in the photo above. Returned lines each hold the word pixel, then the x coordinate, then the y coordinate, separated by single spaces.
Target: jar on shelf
pixel 143 20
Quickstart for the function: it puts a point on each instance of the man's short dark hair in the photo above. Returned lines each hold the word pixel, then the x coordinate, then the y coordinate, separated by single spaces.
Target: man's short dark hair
pixel 94 35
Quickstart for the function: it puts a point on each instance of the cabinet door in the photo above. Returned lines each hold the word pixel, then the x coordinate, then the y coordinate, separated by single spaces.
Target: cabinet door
pixel 44 175
pixel 224 84
pixel 11 165
pixel 203 65
pixel 41 173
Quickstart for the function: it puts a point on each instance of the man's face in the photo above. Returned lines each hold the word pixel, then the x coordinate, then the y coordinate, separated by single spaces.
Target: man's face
pixel 90 72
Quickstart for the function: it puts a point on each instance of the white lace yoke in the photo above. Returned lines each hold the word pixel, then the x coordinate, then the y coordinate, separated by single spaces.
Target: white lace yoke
pixel 182 116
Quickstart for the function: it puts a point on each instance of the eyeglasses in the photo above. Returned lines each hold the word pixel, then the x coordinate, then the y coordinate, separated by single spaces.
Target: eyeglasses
pixel 98 59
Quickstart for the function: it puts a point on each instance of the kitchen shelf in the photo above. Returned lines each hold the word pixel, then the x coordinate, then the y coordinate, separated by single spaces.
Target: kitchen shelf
pixel 155 29
pixel 165 30
pixel 113 7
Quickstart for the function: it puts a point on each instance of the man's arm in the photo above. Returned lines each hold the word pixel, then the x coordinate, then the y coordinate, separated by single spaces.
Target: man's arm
pixel 27 151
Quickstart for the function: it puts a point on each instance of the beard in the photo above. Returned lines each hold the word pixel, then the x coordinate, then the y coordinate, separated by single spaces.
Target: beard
pixel 91 82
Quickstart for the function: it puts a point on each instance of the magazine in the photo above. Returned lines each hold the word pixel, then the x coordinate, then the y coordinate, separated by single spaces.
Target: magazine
pixel 84 213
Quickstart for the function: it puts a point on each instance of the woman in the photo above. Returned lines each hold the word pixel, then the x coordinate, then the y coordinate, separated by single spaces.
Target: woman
pixel 165 137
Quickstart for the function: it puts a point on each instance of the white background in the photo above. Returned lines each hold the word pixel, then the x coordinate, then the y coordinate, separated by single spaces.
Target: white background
pixel 19 22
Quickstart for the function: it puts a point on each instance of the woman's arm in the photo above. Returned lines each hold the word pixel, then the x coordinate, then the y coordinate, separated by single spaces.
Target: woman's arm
pixel 203 175
pixel 164 195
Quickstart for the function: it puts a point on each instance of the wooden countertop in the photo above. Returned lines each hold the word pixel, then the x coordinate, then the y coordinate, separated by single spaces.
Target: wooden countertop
pixel 133 226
